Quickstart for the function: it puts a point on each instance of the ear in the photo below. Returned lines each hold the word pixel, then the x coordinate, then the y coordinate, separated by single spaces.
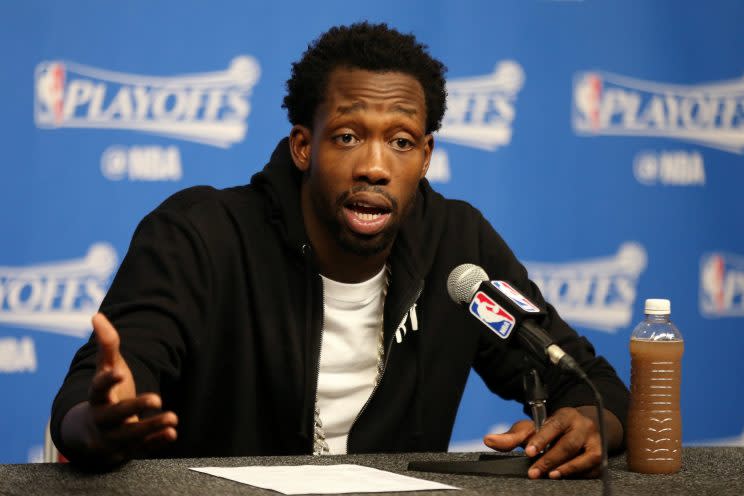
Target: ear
pixel 428 149
pixel 300 139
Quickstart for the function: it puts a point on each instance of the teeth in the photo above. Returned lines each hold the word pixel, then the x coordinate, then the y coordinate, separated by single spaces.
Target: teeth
pixel 367 217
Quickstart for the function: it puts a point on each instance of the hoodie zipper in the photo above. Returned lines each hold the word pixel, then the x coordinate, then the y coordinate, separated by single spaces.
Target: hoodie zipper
pixel 307 252
pixel 317 368
pixel 388 351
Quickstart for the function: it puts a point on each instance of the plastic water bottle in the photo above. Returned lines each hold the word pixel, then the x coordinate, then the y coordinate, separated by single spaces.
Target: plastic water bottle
pixel 654 421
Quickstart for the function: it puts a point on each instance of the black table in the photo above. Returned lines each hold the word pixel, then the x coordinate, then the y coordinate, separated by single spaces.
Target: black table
pixel 706 471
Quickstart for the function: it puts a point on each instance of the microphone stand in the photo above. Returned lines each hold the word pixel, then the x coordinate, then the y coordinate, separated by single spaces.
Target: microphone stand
pixel 498 464
pixel 518 465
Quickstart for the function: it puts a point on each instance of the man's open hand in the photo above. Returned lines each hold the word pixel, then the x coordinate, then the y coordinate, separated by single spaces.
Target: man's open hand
pixel 575 449
pixel 115 424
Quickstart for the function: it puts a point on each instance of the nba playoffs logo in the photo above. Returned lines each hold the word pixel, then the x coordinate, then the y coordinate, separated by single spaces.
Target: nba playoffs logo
pixel 711 114
pixel 58 297
pixel 722 285
pixel 492 315
pixel 598 293
pixel 480 110
pixel 515 296
pixel 210 108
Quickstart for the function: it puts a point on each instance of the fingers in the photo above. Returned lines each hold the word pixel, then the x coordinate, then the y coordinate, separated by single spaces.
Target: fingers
pixel 135 435
pixel 515 436
pixel 112 415
pixel 108 341
pixel 575 446
pixel 155 442
pixel 553 428
pixel 101 385
pixel 161 438
pixel 585 465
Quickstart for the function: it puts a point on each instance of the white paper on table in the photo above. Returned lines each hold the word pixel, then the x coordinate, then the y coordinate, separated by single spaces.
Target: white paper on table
pixel 322 479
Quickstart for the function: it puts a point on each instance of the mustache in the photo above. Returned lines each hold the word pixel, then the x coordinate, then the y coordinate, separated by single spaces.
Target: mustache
pixel 359 188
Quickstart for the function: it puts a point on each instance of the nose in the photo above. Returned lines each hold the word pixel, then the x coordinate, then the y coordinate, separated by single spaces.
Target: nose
pixel 371 166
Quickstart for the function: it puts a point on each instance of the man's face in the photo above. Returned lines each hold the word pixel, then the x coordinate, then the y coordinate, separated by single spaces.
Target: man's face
pixel 368 150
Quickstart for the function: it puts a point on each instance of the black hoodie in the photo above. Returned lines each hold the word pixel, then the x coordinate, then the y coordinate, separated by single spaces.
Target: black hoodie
pixel 219 307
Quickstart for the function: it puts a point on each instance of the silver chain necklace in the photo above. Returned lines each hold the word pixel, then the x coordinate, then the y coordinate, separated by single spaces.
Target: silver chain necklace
pixel 320 445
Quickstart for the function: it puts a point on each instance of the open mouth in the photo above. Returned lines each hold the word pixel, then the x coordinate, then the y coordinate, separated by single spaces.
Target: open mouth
pixel 367 212
pixel 367 216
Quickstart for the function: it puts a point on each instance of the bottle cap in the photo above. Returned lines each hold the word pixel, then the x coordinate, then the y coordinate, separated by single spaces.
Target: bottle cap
pixel 656 306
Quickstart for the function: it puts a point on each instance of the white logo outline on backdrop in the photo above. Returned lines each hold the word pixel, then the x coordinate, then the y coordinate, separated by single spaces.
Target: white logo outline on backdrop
pixel 481 109
pixel 597 293
pixel 607 104
pixel 90 274
pixel 58 97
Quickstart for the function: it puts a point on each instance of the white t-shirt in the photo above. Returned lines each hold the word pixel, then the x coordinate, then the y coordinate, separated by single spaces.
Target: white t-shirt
pixel 352 323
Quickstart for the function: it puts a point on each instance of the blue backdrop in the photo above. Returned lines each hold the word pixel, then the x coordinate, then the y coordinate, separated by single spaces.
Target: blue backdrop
pixel 603 140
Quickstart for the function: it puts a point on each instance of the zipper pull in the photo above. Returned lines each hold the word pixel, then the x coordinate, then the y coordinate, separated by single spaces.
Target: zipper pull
pixel 414 318
pixel 401 331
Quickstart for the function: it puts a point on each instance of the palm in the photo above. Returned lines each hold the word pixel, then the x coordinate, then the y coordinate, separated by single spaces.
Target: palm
pixel 115 411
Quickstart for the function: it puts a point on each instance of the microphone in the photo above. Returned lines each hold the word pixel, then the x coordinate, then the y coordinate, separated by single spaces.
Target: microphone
pixel 506 312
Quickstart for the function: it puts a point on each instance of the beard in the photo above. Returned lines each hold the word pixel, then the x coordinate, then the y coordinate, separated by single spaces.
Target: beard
pixel 359 244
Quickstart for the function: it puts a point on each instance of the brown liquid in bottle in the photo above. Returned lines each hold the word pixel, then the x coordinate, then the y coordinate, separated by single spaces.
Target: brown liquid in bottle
pixel 654 421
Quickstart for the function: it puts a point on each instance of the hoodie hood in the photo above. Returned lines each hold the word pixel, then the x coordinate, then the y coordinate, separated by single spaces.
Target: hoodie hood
pixel 280 180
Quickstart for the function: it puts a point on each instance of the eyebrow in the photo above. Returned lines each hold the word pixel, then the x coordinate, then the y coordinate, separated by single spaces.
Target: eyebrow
pixel 348 109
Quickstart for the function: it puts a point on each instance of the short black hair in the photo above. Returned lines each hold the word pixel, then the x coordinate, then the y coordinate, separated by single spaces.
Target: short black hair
pixel 372 47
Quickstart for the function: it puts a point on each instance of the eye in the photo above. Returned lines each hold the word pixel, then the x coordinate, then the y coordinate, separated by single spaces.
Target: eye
pixel 346 139
pixel 402 144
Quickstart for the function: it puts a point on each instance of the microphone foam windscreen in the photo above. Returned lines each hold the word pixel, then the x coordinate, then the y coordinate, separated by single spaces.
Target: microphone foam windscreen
pixel 464 281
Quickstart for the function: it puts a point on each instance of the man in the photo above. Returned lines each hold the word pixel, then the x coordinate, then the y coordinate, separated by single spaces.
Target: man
pixel 308 311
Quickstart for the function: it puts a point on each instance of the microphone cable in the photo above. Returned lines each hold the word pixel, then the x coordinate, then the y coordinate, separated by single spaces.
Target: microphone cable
pixel 567 362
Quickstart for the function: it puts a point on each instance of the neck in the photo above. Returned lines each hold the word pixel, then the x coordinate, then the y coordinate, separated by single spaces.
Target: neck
pixel 348 268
